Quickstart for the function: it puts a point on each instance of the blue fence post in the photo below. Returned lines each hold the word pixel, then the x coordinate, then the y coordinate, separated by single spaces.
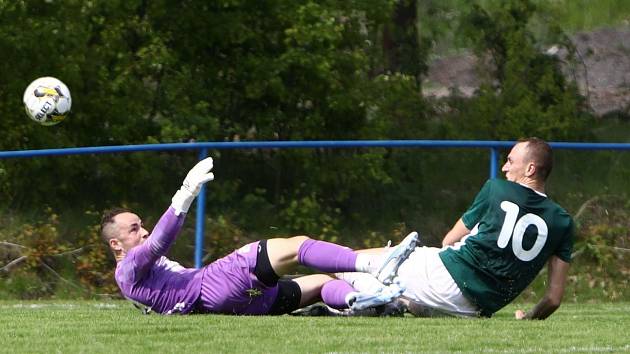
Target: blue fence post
pixel 494 158
pixel 200 221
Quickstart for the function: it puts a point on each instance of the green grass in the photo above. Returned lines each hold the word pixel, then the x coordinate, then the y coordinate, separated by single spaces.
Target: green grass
pixel 115 327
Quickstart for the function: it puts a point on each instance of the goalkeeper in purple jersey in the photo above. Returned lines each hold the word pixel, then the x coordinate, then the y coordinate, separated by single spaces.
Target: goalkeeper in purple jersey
pixel 247 281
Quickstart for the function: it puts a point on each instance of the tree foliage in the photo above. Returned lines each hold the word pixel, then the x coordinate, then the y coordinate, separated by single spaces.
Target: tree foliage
pixel 525 93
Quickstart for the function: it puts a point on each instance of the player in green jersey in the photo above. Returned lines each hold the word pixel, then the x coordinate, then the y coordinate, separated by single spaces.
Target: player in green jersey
pixel 519 229
pixel 496 249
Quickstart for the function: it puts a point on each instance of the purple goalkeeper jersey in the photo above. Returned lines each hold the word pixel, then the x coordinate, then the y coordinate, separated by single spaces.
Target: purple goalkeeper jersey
pixel 148 278
pixel 228 285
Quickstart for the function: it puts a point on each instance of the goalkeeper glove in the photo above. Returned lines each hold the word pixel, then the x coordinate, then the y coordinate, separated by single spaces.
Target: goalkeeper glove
pixel 193 182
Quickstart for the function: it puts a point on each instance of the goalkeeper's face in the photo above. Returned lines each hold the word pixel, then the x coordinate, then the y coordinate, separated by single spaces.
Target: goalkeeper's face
pixel 130 231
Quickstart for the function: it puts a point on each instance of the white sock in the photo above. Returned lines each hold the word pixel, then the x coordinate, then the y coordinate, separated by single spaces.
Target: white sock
pixel 361 282
pixel 367 263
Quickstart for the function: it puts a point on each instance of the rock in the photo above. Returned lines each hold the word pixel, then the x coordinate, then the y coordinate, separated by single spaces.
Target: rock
pixel 603 77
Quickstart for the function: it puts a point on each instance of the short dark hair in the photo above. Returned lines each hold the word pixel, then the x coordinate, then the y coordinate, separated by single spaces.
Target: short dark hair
pixel 540 152
pixel 107 220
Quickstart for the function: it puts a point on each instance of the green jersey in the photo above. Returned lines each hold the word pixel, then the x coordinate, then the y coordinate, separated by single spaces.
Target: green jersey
pixel 515 232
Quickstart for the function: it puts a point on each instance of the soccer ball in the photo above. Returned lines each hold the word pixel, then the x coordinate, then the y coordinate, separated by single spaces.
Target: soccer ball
pixel 47 100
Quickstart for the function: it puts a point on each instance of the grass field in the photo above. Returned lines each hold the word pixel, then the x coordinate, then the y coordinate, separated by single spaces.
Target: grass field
pixel 114 326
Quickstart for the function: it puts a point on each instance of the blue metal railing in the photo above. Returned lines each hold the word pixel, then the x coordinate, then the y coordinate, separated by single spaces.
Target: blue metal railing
pixel 203 148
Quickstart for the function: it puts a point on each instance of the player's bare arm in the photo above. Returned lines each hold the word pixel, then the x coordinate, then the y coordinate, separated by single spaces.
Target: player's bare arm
pixel 458 231
pixel 558 271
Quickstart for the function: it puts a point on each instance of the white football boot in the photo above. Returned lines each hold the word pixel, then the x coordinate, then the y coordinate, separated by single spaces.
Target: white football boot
pixel 394 258
pixel 360 301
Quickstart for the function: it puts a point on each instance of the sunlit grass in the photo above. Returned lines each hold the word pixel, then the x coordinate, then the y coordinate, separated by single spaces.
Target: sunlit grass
pixel 116 327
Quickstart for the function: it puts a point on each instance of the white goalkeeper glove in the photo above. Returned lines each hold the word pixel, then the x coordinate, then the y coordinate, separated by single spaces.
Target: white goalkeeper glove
pixel 195 178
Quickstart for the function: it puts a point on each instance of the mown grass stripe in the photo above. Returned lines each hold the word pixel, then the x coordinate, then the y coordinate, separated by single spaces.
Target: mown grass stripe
pixel 107 327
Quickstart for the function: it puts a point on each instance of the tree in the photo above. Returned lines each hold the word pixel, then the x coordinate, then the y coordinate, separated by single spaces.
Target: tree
pixel 525 93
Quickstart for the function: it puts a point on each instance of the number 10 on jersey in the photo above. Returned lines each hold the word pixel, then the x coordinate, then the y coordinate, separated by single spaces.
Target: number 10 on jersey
pixel 514 229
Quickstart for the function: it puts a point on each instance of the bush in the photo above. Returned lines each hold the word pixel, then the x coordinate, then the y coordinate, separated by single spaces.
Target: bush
pixel 40 261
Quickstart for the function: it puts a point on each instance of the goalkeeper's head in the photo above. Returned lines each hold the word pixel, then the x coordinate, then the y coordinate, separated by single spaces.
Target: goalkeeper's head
pixel 122 230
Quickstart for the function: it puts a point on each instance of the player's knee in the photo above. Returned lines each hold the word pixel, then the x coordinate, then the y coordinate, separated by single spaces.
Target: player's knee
pixel 299 240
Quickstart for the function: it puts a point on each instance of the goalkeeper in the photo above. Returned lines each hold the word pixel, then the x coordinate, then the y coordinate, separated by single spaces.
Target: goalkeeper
pixel 247 281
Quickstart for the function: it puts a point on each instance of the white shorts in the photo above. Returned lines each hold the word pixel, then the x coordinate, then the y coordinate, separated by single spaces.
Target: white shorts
pixel 429 283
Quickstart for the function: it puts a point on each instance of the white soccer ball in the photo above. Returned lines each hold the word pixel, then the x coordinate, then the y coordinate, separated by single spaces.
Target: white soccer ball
pixel 47 100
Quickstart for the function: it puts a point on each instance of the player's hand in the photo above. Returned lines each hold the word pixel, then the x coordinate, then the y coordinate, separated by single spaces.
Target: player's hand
pixel 519 314
pixel 191 187
pixel 198 175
